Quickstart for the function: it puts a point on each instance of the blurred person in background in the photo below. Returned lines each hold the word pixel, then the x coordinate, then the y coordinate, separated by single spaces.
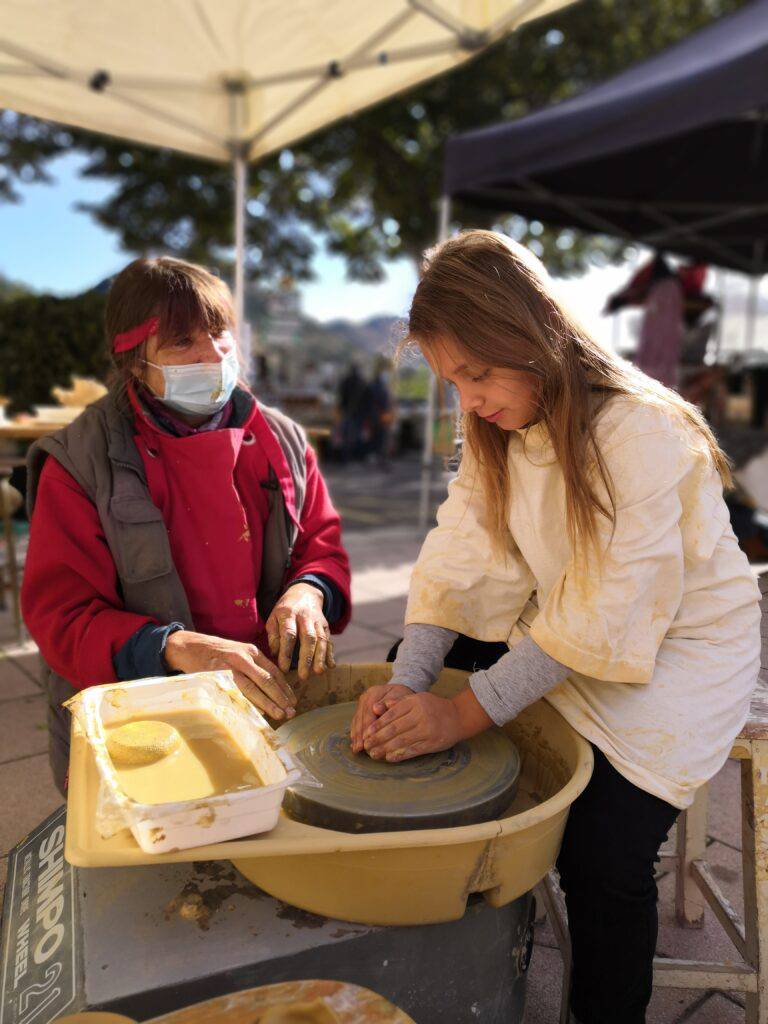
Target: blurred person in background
pixel 379 411
pixel 351 397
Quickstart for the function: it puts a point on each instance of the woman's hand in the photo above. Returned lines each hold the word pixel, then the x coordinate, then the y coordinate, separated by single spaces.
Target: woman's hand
pixel 424 723
pixel 370 705
pixel 256 677
pixel 299 612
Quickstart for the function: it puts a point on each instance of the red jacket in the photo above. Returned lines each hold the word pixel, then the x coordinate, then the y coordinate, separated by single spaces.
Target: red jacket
pixel 208 487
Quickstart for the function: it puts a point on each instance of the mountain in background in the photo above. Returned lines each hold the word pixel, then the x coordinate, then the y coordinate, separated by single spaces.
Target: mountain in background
pixel 336 340
pixel 279 316
pixel 379 334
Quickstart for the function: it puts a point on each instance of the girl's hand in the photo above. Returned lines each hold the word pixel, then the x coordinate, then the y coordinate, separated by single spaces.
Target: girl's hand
pixel 423 724
pixel 299 612
pixel 371 704
pixel 256 677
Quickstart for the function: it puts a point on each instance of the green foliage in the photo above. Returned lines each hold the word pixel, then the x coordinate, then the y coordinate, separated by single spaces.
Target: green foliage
pixel 412 382
pixel 11 289
pixel 25 146
pixel 367 186
pixel 44 340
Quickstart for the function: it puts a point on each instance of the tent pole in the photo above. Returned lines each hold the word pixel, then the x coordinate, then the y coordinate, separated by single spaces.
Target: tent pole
pixel 240 170
pixel 721 293
pixel 754 288
pixel 754 294
pixel 443 222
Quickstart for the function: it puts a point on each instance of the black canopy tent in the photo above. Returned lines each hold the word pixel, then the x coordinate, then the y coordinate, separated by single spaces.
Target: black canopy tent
pixel 672 153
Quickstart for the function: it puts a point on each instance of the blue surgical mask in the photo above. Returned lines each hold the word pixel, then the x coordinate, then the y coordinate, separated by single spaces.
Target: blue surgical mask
pixel 200 389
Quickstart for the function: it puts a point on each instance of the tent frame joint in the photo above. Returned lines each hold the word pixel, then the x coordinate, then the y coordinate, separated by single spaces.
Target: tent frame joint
pixel 99 80
pixel 236 86
pixel 473 40
pixel 239 149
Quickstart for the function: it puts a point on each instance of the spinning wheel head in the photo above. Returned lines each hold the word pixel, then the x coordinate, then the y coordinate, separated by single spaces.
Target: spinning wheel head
pixel 474 781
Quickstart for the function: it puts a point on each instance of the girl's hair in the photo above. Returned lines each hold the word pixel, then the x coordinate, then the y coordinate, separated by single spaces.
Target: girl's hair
pixel 489 296
pixel 184 296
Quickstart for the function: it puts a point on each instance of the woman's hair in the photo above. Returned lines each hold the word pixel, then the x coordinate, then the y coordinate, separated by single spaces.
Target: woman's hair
pixel 184 296
pixel 489 296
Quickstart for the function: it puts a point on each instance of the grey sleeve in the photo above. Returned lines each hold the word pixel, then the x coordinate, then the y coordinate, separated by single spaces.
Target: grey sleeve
pixel 421 655
pixel 517 679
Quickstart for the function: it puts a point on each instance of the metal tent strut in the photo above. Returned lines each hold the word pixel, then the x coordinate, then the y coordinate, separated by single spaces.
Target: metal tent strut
pixel 428 450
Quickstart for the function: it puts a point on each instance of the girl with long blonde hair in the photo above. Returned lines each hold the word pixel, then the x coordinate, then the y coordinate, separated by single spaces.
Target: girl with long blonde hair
pixel 584 555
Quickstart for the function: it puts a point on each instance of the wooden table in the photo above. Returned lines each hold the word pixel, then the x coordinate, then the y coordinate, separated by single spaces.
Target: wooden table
pixel 32 431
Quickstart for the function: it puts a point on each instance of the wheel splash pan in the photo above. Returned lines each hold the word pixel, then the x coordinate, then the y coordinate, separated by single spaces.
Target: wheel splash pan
pixel 422 875
pixel 409 877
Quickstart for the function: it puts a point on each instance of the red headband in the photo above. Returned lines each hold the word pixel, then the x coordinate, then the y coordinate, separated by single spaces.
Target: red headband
pixel 130 339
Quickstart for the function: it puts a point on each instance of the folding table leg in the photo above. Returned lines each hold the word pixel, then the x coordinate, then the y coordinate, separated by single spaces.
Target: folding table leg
pixel 754 810
pixel 691 845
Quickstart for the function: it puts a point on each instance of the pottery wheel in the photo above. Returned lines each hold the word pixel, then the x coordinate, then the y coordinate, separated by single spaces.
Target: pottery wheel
pixel 472 782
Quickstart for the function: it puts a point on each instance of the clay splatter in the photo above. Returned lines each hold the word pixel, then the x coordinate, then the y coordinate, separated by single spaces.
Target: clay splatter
pixel 300 918
pixel 341 933
pixel 212 885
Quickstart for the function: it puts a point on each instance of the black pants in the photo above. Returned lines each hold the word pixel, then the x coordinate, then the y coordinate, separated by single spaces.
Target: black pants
pixel 606 866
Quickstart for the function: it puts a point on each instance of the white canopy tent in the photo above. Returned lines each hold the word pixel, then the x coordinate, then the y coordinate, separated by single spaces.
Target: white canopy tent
pixel 233 80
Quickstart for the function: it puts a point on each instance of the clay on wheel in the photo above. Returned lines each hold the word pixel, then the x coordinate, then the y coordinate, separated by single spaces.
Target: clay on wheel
pixel 474 781
pixel 137 743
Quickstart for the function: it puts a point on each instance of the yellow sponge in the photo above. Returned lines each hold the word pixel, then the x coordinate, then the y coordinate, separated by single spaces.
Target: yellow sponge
pixel 137 743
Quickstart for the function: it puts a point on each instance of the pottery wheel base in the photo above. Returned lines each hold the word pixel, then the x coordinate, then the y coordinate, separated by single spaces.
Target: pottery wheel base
pixel 472 782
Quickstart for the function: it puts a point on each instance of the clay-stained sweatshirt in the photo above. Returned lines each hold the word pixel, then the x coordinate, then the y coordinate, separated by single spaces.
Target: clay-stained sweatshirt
pixel 661 634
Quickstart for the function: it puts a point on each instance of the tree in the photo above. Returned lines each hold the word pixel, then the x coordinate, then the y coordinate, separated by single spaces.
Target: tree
pixel 45 339
pixel 11 289
pixel 367 185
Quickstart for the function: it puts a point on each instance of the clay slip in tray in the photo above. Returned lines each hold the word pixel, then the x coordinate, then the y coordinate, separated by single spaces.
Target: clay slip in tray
pixel 167 827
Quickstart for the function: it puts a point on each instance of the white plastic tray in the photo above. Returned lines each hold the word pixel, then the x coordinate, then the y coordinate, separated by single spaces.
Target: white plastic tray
pixel 167 827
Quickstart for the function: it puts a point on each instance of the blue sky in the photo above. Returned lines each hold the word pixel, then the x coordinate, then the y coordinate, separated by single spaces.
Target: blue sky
pixel 46 243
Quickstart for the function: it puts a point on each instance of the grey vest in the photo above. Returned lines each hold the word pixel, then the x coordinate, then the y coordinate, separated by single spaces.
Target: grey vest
pixel 99 452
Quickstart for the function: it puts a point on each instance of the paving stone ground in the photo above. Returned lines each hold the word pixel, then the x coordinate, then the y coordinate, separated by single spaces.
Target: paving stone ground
pixel 383 538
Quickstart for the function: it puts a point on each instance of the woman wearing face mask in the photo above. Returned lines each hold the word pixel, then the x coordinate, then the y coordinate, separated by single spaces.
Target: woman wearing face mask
pixel 177 525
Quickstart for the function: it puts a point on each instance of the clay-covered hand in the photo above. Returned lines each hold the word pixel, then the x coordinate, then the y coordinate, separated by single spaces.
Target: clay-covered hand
pixel 299 614
pixel 256 677
pixel 423 724
pixel 370 705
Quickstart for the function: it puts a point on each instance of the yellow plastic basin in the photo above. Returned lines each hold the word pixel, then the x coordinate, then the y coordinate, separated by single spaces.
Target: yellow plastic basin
pixel 410 877
pixel 426 875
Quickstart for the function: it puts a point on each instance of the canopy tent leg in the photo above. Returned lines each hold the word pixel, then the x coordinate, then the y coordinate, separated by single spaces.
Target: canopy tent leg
pixel 427 452
pixel 240 170
pixel 443 221
pixel 751 321
pixel 754 295
pixel 722 288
